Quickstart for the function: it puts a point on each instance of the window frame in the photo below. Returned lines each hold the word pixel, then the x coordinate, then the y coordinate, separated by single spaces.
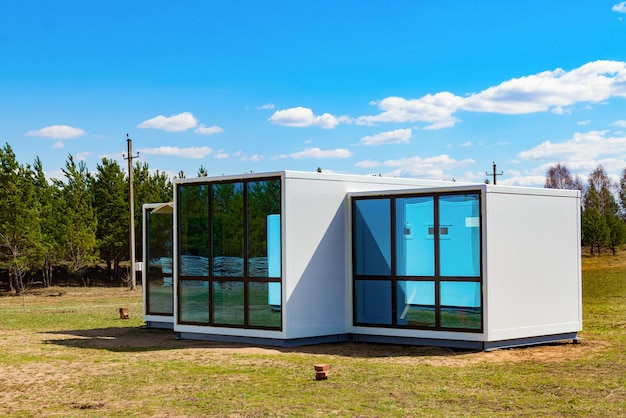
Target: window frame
pixel 245 279
pixel 437 278
pixel 152 275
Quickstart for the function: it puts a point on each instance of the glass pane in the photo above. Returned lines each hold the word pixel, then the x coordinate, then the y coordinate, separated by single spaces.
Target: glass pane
pixel 228 303
pixel 193 301
pixel 160 295
pixel 264 228
pixel 264 304
pixel 373 302
pixel 416 304
pixel 459 235
pixel 193 228
pixel 415 244
pixel 159 269
pixel 460 305
pixel 228 220
pixel 372 237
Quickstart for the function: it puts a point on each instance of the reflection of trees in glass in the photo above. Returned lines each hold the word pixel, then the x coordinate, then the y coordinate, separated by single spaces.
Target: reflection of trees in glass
pixel 194 219
pixel 159 235
pixel 263 200
pixel 228 220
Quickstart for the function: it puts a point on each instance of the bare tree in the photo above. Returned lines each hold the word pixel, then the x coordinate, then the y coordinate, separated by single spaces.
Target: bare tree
pixel 559 177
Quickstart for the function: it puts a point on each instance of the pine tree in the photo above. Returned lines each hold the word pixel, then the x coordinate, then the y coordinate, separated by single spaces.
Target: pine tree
pixel 49 249
pixel 110 193
pixel 78 221
pixel 20 230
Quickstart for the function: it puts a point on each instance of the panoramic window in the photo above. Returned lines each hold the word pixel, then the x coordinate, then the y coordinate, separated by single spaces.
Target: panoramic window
pixel 230 258
pixel 435 279
pixel 158 271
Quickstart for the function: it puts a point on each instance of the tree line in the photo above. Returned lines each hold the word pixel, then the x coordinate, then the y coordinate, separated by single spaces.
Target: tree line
pixel 82 220
pixel 603 223
pixel 74 223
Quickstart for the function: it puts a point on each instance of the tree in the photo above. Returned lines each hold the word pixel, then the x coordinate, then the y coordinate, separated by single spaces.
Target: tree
pixel 49 249
pixel 559 177
pixel 19 221
pixel 622 192
pixel 617 232
pixel 595 231
pixel 601 227
pixel 600 192
pixel 110 193
pixel 78 221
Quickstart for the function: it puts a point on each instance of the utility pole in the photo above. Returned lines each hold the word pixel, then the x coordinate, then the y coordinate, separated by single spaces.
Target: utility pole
pixel 131 205
pixel 494 174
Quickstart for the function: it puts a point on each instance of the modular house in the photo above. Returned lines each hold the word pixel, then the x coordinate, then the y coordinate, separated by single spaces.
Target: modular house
pixel 291 258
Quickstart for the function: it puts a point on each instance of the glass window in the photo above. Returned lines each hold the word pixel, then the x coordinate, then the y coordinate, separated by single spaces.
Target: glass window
pixel 415 246
pixel 372 237
pixel 228 303
pixel 416 303
pixel 160 295
pixel 461 304
pixel 159 290
pixel 459 235
pixel 193 223
pixel 264 304
pixel 230 234
pixel 194 301
pixel 228 230
pixel 373 302
pixel 264 228
pixel 436 237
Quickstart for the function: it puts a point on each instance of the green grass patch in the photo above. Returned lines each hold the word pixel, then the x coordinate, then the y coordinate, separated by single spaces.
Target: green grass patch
pixel 71 355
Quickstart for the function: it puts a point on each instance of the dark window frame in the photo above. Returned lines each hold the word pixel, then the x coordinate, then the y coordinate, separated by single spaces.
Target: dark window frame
pixel 245 279
pixel 394 278
pixel 149 274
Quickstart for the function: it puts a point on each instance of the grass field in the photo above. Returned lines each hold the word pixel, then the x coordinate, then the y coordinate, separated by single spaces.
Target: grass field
pixel 65 352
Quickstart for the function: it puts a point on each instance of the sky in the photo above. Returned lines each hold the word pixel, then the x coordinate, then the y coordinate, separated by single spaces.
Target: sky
pixel 420 89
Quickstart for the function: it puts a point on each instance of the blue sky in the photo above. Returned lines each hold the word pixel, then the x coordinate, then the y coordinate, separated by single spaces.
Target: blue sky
pixel 435 90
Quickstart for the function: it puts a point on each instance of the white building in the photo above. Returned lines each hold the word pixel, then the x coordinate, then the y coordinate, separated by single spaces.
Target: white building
pixel 292 258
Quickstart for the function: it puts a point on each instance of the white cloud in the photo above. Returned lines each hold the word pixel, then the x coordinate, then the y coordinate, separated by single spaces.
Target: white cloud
pixel 321 154
pixel 175 123
pixel 208 130
pixel 58 145
pixel 399 136
pixel 221 154
pixel 301 117
pixel 57 132
pixel 434 109
pixel 592 82
pixel 619 123
pixel 190 152
pixel 428 168
pixel 545 91
pixel 581 147
pixel 267 106
pixel 466 144
pixel 620 7
pixel 256 158
pixel 81 156
pixel 583 122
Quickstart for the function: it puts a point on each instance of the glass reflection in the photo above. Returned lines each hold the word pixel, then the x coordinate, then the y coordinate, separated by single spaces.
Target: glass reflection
pixel 372 237
pixel 228 304
pixel 194 301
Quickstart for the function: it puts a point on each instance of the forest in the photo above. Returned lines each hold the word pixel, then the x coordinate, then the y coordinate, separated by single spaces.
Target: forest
pixel 53 227
pixel 70 227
